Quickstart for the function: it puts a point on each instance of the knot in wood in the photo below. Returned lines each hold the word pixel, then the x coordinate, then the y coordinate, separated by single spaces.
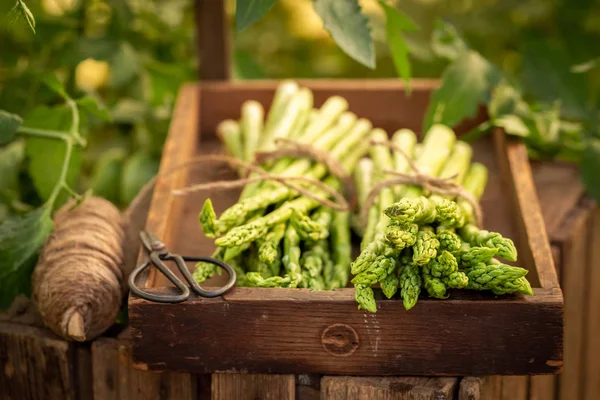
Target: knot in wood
pixel 340 340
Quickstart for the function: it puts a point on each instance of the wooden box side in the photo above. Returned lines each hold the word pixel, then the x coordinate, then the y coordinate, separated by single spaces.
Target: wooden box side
pixel 324 332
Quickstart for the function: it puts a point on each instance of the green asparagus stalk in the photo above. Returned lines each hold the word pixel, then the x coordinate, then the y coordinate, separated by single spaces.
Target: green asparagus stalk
pixel 410 282
pixel 268 249
pixel 315 228
pixel 401 237
pixel 407 141
pixel 251 126
pixel 471 256
pixel 381 267
pixel 313 262
pixel 255 279
pixel 365 298
pixel 445 267
pixel 480 237
pixel 231 216
pixel 299 104
pixel 283 94
pixel 229 133
pixel 364 180
pixel 291 256
pixel 474 183
pixel 499 278
pixel 342 250
pixel 449 240
pixel 426 246
pixel 435 287
pixel 389 285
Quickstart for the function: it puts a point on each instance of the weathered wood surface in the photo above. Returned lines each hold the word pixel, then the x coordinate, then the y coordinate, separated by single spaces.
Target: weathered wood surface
pixel 213 42
pixel 396 388
pixel 36 364
pixel 115 378
pixel 253 386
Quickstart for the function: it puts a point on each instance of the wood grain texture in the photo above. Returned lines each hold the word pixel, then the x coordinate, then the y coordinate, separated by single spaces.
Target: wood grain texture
pixel 515 387
pixel 543 387
pixel 213 42
pixel 393 388
pixel 592 361
pixel 238 386
pixel 35 364
pixel 323 324
pixel 308 387
pixel 115 378
pixel 572 237
pixel 527 330
pixel 530 222
pixel 480 388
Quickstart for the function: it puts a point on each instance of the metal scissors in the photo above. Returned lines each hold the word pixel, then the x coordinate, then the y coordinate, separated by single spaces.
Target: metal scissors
pixel 158 253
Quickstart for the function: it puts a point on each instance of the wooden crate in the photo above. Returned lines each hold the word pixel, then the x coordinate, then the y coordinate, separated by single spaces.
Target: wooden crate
pixel 298 331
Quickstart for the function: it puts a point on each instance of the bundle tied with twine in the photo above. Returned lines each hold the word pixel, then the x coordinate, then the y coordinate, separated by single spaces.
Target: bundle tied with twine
pixel 253 172
pixel 442 186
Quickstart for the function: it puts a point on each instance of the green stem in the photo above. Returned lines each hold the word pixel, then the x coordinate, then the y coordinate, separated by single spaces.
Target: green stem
pixel 44 133
pixel 62 180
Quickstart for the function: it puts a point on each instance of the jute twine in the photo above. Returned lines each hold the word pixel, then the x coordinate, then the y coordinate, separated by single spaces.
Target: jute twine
pixel 255 173
pixel 441 186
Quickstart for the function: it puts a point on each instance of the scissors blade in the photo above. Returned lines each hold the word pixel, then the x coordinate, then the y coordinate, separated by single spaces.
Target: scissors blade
pixel 151 242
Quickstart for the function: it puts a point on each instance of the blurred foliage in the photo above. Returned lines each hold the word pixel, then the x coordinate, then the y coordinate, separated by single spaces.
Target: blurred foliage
pixel 131 56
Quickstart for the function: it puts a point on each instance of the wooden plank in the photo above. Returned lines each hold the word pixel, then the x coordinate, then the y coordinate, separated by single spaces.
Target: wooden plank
pixel 325 334
pixel 238 386
pixel 559 189
pixel 398 388
pixel 35 364
pixel 308 387
pixel 514 387
pixel 592 361
pixel 480 388
pixel 543 387
pixel 115 378
pixel 572 236
pixel 213 40
pixel 532 230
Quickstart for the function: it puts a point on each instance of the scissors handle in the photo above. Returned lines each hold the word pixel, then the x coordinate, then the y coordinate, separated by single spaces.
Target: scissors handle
pixel 162 298
pixel 180 261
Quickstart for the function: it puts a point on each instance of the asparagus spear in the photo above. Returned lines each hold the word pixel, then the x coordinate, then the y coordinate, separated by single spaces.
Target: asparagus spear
pixel 291 256
pixel 409 281
pixel 480 237
pixel 434 286
pixel 268 250
pixel 299 103
pixel 381 267
pixel 283 94
pixel 267 197
pixel 313 261
pixel 312 229
pixel 499 278
pixel 251 126
pixel 407 141
pixel 470 256
pixel 365 298
pixel 426 245
pixel 449 240
pixel 228 132
pixel 342 250
pixel 445 267
pixel 401 237
pixel 389 285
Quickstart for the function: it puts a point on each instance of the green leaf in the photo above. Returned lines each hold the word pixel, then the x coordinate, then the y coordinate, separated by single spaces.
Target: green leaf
pixel 46 156
pixel 505 100
pixel 124 66
pixel 9 124
pixel 25 13
pixel 590 165
pixel 11 157
pixel 397 23
pixel 512 125
pixel 107 173
pixel 466 83
pixel 20 240
pixel 547 75
pixel 349 28
pixel 446 41
pixel 138 170
pixel 248 12
pixel 53 83
pixel 94 106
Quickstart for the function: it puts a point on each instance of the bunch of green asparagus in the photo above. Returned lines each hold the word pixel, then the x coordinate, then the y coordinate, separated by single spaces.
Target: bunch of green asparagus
pixel 415 240
pixel 273 236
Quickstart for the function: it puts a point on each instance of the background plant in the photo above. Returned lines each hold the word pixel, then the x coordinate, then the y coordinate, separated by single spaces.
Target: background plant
pixel 533 63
